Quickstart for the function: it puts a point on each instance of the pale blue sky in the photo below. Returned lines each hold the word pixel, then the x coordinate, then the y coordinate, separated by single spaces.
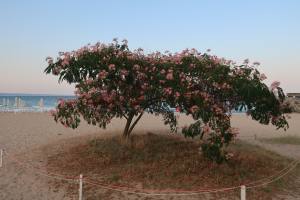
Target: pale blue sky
pixel 264 31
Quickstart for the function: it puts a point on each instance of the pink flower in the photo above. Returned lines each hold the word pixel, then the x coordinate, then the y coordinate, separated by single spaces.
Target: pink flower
pixel 65 62
pixel 192 65
pixel 102 75
pixel 168 90
pixel 275 85
pixel 112 67
pixel 275 118
pixel 124 72
pixel 204 95
pixel 177 94
pixel 61 102
pixel 262 77
pixel 170 76
pixel 103 92
pixel 163 71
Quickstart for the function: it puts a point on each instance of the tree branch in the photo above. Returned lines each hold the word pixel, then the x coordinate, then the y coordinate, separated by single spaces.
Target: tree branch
pixel 124 116
pixel 135 122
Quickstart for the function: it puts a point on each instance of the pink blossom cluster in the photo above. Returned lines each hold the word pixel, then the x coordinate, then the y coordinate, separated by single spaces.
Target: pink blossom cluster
pixel 275 85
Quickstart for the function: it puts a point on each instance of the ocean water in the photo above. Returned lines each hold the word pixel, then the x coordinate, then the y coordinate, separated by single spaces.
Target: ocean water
pixel 38 103
pixel 29 102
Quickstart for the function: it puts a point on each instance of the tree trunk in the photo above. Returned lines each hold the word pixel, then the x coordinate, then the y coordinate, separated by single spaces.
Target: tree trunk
pixel 127 126
pixel 128 129
pixel 134 123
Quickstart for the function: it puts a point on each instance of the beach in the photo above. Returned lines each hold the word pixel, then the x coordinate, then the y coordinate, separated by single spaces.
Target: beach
pixel 26 133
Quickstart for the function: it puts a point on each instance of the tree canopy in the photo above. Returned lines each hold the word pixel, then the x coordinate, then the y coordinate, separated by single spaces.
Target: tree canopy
pixel 112 81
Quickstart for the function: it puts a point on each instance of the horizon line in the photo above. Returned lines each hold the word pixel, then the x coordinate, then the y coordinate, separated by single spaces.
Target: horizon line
pixel 33 94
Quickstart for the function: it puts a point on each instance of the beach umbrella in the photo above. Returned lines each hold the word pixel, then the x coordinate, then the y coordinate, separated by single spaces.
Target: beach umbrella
pixel 21 102
pixel 41 103
pixel 16 102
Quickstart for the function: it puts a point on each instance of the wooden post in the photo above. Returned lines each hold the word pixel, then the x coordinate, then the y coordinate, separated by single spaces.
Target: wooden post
pixel 1 157
pixel 80 187
pixel 243 192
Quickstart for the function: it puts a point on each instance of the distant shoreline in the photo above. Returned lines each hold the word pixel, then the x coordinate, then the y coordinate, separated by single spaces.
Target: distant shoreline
pixel 32 94
pixel 30 102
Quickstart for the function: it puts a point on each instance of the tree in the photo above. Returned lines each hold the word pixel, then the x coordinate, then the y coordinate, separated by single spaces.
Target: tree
pixel 114 82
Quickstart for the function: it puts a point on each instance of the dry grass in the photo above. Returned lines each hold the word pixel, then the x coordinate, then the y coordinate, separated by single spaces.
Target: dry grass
pixel 163 162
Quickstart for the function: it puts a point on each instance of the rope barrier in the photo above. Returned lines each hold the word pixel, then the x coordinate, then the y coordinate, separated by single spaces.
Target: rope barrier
pixel 204 190
pixel 162 194
pixel 156 192
pixel 275 179
pixel 290 167
pixel 274 175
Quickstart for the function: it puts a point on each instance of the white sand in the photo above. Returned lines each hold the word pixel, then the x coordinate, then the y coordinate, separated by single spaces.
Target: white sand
pixel 24 133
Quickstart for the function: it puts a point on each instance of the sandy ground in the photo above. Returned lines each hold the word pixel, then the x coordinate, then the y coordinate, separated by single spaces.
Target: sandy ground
pixel 24 133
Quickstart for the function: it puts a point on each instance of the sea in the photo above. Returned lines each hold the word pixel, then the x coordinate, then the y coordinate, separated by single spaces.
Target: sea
pixel 38 102
pixel 29 102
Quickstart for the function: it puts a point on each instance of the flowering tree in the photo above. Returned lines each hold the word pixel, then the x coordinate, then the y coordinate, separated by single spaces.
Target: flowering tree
pixel 114 82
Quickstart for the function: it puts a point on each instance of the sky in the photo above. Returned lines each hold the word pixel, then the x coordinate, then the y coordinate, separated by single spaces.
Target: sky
pixel 264 31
